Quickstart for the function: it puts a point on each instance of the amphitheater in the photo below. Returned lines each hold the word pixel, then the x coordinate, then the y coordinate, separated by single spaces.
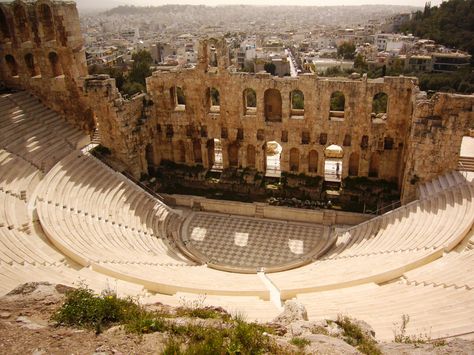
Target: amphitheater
pixel 68 218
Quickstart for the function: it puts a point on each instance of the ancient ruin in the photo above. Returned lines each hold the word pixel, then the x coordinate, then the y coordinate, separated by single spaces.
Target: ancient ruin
pixel 66 215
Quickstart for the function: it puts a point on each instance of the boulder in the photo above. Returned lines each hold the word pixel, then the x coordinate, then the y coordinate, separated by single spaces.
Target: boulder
pixel 293 311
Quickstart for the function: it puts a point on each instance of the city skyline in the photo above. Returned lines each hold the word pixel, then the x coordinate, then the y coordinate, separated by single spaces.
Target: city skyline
pixel 113 3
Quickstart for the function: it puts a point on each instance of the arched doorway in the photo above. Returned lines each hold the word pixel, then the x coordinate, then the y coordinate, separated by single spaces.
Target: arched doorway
pixel 374 165
pixel 294 160
pixel 272 159
pixel 197 151
pixel 354 164
pixel 150 158
pixel 250 156
pixel 233 155
pixel 181 152
pixel 214 154
pixel 313 161
pixel 333 163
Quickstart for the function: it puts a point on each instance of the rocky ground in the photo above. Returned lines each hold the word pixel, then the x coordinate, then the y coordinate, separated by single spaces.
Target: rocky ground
pixel 25 328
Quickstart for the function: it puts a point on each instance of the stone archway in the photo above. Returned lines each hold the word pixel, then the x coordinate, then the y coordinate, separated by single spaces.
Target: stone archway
pixel 333 155
pixel 272 155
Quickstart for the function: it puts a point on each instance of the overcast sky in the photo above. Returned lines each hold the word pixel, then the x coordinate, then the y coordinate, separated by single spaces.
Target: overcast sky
pixel 109 3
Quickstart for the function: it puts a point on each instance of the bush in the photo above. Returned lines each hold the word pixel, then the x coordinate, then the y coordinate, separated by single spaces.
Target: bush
pixel 300 342
pixel 84 309
pixel 355 336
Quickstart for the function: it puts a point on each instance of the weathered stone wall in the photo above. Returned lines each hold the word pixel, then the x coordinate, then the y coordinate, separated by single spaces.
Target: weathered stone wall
pixel 42 51
pixel 434 143
pixel 196 123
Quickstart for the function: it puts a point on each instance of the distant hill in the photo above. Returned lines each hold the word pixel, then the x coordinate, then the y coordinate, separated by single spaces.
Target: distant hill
pixel 94 5
pixel 451 24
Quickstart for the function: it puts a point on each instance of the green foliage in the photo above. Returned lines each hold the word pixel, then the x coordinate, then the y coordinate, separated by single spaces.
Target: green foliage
pixel 346 50
pixel 270 68
pixel 84 309
pixel 451 23
pixel 337 101
pixel 215 97
pixel 142 61
pixel 251 98
pixel 360 63
pixel 300 342
pixel 379 104
pixel 355 336
pixel 297 100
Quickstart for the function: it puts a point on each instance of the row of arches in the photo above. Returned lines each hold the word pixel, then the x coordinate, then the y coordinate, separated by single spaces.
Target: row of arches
pixel 26 27
pixel 31 64
pixel 273 103
pixel 332 164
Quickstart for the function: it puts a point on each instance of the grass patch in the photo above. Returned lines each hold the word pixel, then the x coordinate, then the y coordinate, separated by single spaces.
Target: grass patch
pixel 299 342
pixel 196 309
pixel 230 335
pixel 355 336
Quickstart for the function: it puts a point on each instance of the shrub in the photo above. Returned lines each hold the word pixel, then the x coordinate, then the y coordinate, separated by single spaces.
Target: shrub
pixel 84 309
pixel 300 342
pixel 355 336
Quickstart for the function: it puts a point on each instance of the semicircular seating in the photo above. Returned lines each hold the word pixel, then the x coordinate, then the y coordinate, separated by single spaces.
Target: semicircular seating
pixel 95 216
pixel 103 229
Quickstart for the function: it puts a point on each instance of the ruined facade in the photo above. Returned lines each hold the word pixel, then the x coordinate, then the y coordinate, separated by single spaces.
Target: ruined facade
pixel 42 51
pixel 409 140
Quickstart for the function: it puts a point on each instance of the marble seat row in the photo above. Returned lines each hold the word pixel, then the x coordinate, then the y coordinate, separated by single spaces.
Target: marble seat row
pixel 433 311
pixel 384 248
pixel 32 131
pixel 89 234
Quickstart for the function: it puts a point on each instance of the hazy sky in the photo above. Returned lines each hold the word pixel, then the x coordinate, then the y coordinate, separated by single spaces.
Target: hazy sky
pixel 87 3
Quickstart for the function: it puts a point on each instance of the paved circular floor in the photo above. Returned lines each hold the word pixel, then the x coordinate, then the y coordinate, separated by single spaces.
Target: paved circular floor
pixel 248 244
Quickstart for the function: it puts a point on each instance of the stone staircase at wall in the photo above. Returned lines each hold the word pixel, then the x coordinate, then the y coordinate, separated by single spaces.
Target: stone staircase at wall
pixel 78 220
pixel 466 164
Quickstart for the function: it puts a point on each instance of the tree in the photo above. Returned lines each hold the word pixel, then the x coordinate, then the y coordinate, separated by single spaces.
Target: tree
pixel 346 50
pixel 142 61
pixel 270 68
pixel 360 63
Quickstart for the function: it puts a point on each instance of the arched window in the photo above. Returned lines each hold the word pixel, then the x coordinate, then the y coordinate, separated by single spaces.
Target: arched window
pixel 12 65
pixel 56 69
pixel 337 106
pixel 250 101
pixel 297 104
pixel 21 21
pixel 379 106
pixel 273 111
pixel 313 161
pixel 213 100
pixel 364 143
pixel 46 20
pixel 294 159
pixel 31 65
pixel 233 154
pixel 178 100
pixel 4 25
pixel 251 156
pixel 347 140
pixel 354 164
pixel 374 165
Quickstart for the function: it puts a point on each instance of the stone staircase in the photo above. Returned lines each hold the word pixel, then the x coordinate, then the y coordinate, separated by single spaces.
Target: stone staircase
pixel 466 164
